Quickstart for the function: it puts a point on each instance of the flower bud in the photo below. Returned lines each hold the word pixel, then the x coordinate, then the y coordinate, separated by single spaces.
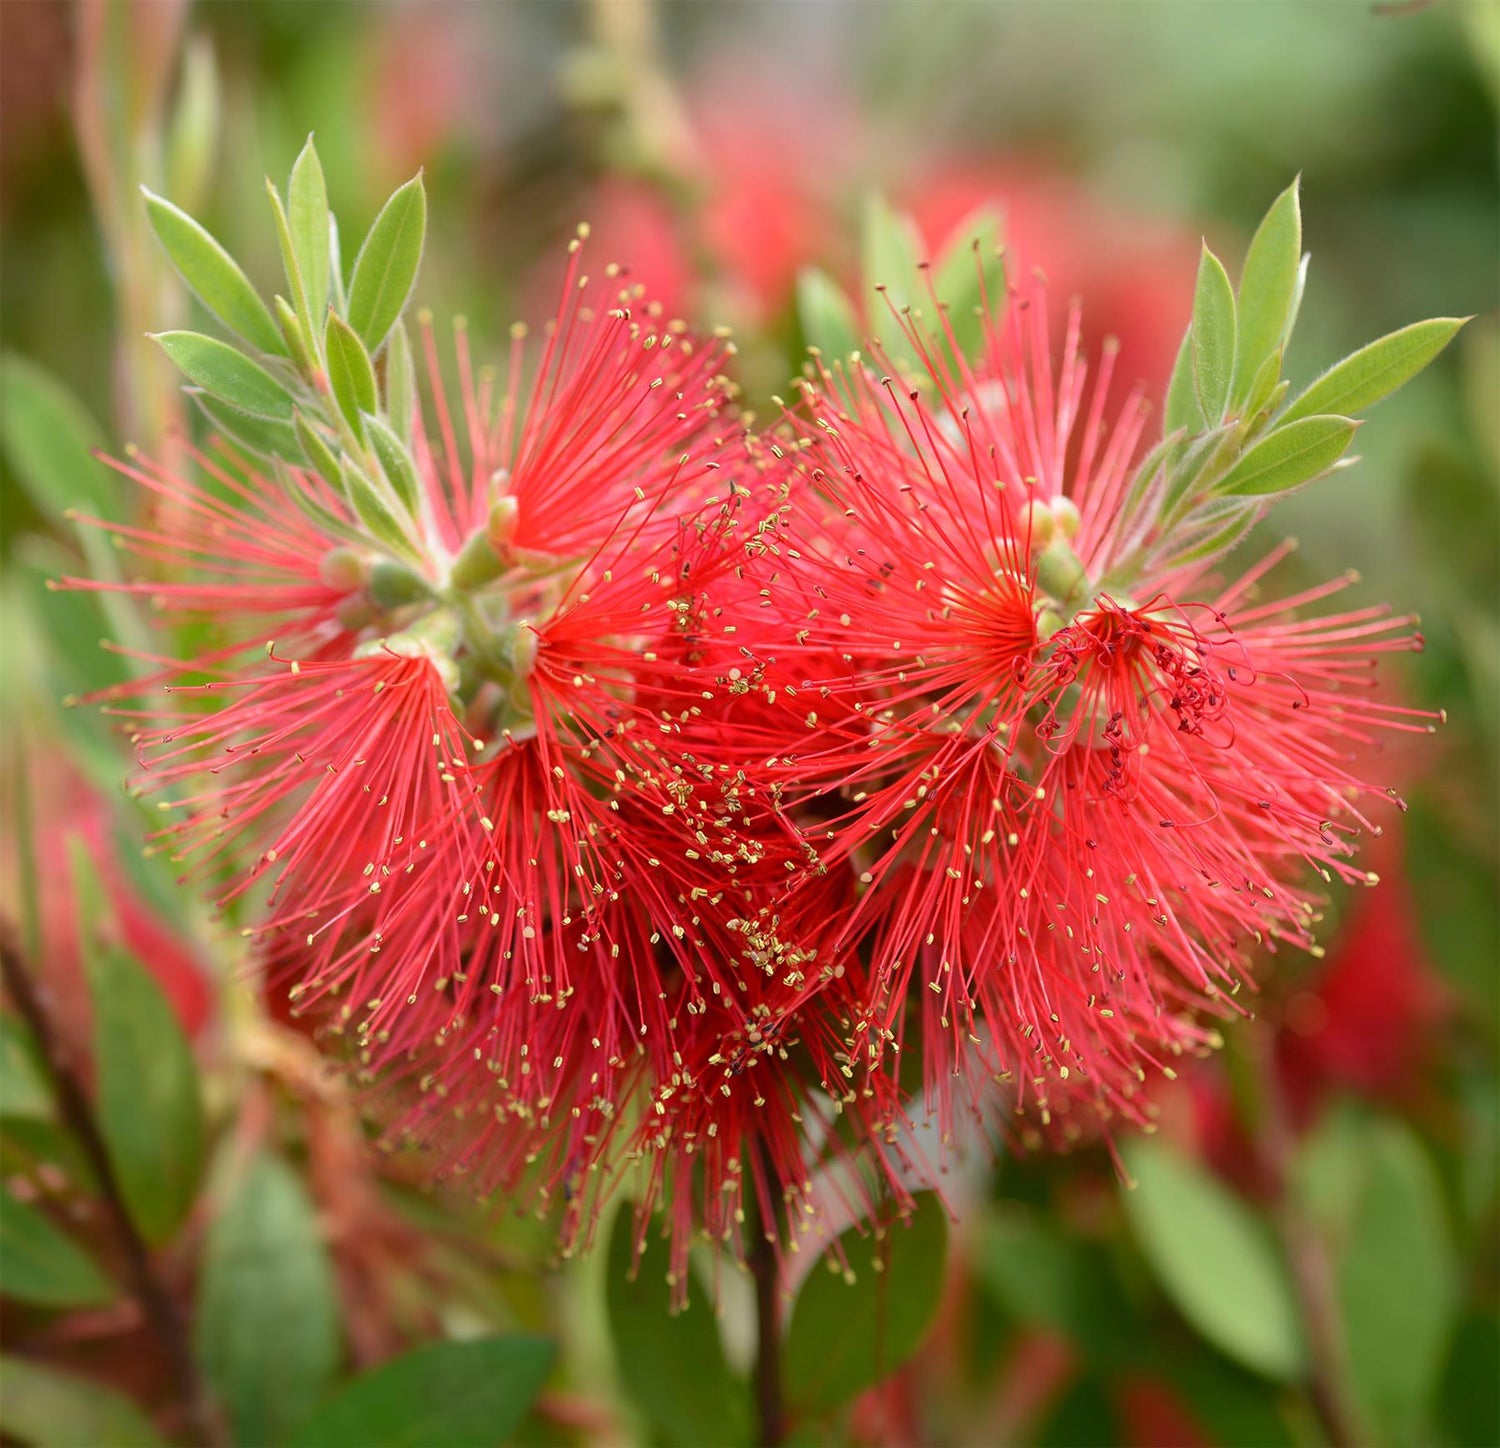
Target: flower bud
pixel 343 570
pixel 1035 523
pixel 1065 514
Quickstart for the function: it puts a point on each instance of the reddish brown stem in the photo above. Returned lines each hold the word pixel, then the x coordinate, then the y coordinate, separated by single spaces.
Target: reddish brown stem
pixel 157 1305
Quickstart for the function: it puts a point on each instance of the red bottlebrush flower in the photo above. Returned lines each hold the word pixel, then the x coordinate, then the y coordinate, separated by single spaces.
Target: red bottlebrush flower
pixel 493 779
pixel 1081 785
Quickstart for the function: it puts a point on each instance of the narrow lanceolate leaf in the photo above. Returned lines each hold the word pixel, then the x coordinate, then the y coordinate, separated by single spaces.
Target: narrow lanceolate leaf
pixel 262 436
pixel 1267 287
pixel 64 1410
pixel 1212 337
pixel 150 1109
pixel 350 373
pixel 970 280
pixel 460 1394
pixel 396 463
pixel 267 1324
pixel 400 383
pixel 1215 1260
pixel 386 268
pixel 373 507
pixel 50 441
pixel 1183 414
pixel 23 1081
pixel 214 276
pixel 889 252
pixel 651 1343
pixel 1376 371
pixel 218 368
pixel 307 218
pixel 849 1332
pixel 826 315
pixel 1397 1286
pixel 1294 454
pixel 40 1264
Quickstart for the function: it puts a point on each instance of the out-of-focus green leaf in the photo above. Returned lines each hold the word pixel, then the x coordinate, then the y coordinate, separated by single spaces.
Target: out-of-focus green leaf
pixel 1458 911
pixel 227 373
pixel 38 1150
pixel 307 220
pixel 846 1335
pixel 1267 286
pixel 827 317
pixel 50 441
pixel 1213 336
pixel 890 249
pixel 1295 454
pixel 23 1084
pixel 970 279
pixel 1396 1286
pixel 150 1109
pixel 1051 1279
pixel 350 373
pixel 672 1366
pixel 1083 1414
pixel 193 131
pixel 1470 1404
pixel 1215 1260
pixel 214 276
pixel 471 1394
pixel 267 1324
pixel 1233 1406
pixel 1376 370
pixel 63 1410
pixel 40 1264
pixel 1329 1167
pixel 386 268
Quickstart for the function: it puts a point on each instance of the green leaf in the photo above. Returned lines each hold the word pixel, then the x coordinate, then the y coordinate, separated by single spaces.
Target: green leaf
pixel 315 449
pixel 24 1090
pixel 386 267
pixel 847 1335
pixel 267 1318
pixel 350 373
pixel 64 1410
pixel 150 1109
pixel 1267 288
pixel 1375 371
pixel 1213 337
pixel 263 436
pixel 889 251
pixel 1215 1260
pixel 400 383
pixel 307 220
pixel 826 315
pixel 970 280
pixel 1294 454
pixel 372 506
pixel 213 275
pixel 50 441
pixel 458 1394
pixel 1397 1286
pixel 1058 1281
pixel 653 1347
pixel 218 368
pixel 1182 413
pixel 396 463
pixel 40 1264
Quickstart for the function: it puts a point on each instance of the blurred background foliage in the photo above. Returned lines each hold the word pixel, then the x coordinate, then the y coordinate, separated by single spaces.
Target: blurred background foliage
pixel 1311 1252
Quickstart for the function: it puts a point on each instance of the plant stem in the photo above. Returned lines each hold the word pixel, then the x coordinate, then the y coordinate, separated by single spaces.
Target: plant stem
pixel 1307 1254
pixel 760 1252
pixel 156 1303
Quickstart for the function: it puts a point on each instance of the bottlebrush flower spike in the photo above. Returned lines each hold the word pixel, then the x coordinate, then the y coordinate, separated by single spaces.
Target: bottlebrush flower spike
pixel 1080 783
